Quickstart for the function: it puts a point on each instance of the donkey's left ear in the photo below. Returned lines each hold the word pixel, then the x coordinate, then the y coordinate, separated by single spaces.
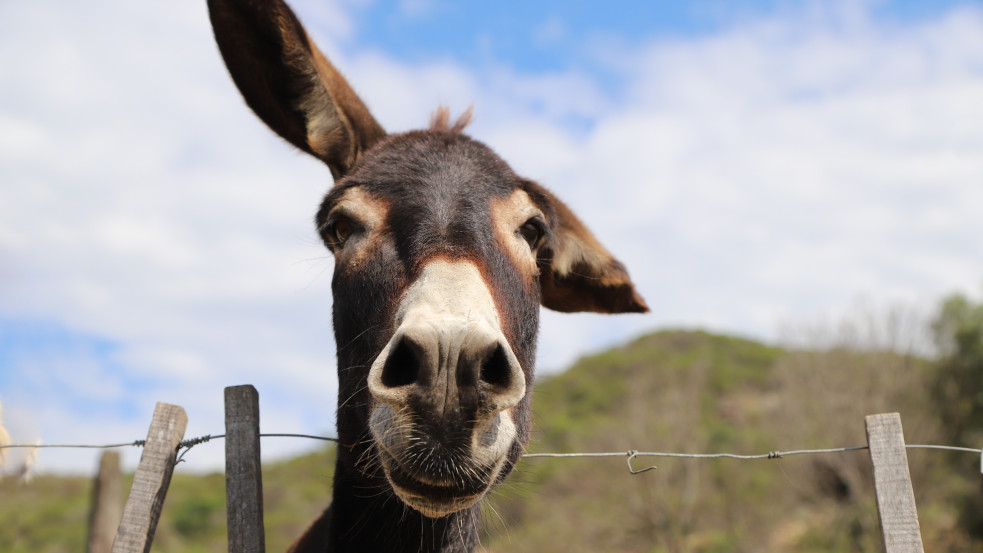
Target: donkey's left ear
pixel 290 85
pixel 577 272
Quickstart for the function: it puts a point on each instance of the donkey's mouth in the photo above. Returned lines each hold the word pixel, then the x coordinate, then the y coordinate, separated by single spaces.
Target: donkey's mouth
pixel 437 495
pixel 440 470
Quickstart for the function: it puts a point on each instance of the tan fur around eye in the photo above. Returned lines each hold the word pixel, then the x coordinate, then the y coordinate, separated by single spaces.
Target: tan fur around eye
pixel 508 214
pixel 368 211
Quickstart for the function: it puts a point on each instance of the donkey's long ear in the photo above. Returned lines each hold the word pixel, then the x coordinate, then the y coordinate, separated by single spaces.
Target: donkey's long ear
pixel 289 84
pixel 578 273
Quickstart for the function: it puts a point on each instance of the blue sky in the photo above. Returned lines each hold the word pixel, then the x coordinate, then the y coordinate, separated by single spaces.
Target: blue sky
pixel 556 35
pixel 758 166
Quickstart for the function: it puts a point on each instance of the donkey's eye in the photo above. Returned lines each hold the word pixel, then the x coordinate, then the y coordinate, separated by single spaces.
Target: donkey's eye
pixel 532 231
pixel 339 231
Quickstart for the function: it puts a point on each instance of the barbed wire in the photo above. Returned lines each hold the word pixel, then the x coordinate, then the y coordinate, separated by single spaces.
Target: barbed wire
pixel 631 454
pixel 134 443
pixel 185 446
pixel 190 442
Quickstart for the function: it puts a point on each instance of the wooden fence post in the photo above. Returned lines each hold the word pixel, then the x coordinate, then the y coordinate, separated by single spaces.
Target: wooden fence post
pixel 107 504
pixel 243 472
pixel 143 505
pixel 892 483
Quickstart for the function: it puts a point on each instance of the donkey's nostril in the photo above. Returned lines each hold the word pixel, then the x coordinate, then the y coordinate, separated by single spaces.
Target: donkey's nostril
pixel 402 366
pixel 447 368
pixel 496 369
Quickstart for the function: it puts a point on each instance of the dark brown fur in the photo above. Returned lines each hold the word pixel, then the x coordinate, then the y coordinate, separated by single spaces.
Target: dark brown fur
pixel 436 188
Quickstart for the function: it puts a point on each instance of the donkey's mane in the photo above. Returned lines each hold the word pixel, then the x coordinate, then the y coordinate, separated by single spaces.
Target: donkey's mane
pixel 440 120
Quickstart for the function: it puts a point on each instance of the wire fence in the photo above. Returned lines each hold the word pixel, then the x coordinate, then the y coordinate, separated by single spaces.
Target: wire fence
pixel 165 447
pixel 186 445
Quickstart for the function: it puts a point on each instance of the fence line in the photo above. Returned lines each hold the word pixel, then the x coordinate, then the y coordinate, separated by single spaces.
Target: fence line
pixel 106 509
pixel 151 481
pixel 185 446
pixel 885 442
pixel 243 471
pixel 892 484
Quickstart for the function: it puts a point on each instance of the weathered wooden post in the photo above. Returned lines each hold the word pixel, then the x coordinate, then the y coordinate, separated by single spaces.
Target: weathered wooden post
pixel 153 476
pixel 243 471
pixel 892 483
pixel 107 504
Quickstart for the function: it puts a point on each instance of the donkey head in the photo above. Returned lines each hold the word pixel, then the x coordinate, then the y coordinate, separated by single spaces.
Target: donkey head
pixel 443 256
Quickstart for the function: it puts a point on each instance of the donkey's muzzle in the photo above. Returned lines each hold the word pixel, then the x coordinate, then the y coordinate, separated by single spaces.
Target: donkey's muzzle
pixel 444 386
pixel 447 371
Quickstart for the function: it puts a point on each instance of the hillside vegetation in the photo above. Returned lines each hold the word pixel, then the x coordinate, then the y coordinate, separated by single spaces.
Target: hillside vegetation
pixel 697 392
pixel 676 391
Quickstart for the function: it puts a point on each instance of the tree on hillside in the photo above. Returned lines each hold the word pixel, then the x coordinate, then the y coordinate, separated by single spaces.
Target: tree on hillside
pixel 958 331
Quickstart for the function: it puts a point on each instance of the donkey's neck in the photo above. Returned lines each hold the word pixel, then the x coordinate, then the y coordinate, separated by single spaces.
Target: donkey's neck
pixel 367 516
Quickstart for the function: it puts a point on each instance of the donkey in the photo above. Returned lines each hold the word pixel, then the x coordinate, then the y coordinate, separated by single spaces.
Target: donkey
pixel 443 256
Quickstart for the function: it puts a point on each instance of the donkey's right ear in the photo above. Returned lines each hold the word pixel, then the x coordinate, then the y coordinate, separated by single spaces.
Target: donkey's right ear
pixel 289 84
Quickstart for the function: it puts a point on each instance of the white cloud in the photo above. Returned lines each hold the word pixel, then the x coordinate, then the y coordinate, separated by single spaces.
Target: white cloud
pixel 416 8
pixel 777 170
pixel 773 171
pixel 550 32
pixel 143 204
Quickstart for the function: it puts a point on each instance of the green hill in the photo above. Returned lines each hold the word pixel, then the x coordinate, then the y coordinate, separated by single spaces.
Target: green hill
pixel 696 392
pixel 669 391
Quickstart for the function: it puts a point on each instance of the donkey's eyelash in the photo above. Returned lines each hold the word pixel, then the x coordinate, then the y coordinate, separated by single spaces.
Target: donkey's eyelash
pixel 534 232
pixel 338 229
